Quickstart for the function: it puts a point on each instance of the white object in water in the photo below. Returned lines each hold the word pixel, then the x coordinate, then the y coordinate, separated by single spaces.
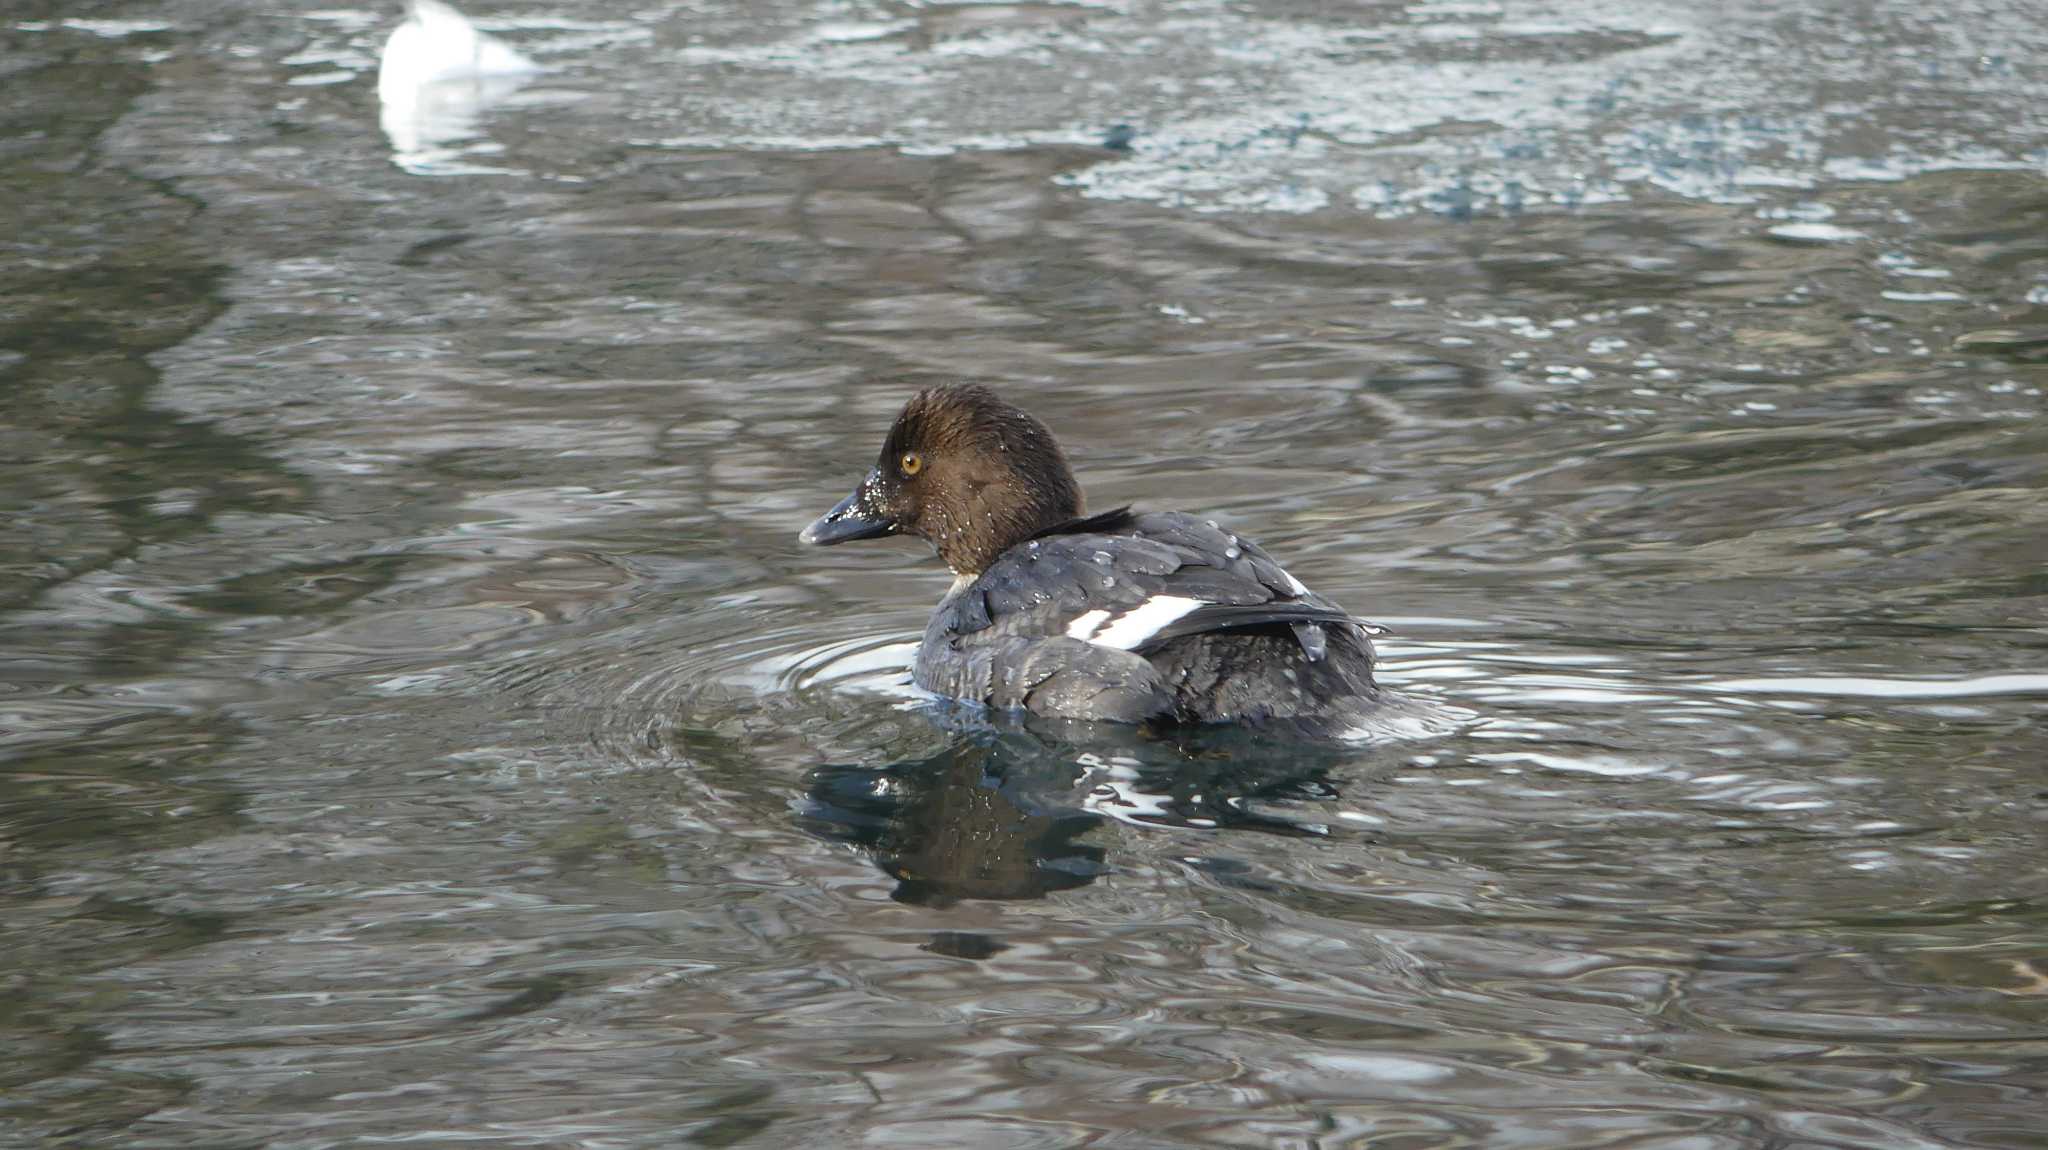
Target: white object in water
pixel 437 75
pixel 436 43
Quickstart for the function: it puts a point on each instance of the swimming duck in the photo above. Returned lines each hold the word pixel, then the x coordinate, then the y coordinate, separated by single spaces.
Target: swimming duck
pixel 1121 616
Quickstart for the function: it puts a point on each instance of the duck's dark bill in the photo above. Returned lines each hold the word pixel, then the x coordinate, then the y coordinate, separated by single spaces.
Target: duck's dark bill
pixel 848 521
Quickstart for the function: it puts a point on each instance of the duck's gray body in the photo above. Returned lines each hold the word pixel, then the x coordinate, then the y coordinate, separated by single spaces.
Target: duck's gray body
pixel 1162 616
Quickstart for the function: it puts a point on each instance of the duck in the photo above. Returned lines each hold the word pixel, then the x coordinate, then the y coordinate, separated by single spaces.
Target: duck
pixel 435 44
pixel 1152 617
pixel 436 76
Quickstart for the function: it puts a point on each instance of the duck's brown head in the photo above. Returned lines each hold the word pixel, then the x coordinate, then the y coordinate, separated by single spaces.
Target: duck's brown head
pixel 966 472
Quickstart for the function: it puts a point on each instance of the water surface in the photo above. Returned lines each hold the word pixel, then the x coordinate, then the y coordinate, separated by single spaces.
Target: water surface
pixel 420 723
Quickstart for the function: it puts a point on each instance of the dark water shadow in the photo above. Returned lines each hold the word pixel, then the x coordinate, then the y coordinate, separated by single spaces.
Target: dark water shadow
pixel 1004 810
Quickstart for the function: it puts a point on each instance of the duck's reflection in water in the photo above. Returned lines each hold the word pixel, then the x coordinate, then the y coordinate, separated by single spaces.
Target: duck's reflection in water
pixel 1004 810
pixel 972 821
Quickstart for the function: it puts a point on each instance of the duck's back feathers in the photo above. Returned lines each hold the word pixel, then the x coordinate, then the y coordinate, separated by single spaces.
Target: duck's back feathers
pixel 1115 522
pixel 1130 616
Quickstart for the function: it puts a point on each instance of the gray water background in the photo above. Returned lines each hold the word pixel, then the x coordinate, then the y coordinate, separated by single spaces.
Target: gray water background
pixel 420 724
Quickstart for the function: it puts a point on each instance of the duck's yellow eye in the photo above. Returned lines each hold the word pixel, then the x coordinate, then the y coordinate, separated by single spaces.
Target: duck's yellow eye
pixel 911 463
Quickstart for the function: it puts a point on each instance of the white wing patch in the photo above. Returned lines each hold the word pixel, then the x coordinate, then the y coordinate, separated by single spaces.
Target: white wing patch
pixel 1084 627
pixel 1138 624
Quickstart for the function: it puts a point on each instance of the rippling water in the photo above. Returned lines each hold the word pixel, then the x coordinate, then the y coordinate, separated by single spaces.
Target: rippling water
pixel 420 723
